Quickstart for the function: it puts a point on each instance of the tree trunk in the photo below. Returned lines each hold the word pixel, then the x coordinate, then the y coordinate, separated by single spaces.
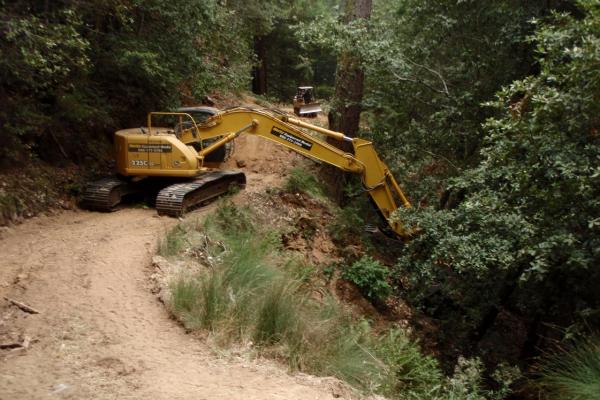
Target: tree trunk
pixel 259 74
pixel 346 108
pixel 346 105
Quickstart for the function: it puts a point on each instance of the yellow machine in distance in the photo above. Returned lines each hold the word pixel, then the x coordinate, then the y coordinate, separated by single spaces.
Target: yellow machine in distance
pixel 305 104
pixel 181 153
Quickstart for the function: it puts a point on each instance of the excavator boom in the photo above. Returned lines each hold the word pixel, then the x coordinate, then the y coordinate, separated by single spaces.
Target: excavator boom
pixel 376 177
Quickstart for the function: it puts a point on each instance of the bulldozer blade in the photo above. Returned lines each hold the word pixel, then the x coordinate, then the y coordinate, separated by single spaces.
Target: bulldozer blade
pixel 310 109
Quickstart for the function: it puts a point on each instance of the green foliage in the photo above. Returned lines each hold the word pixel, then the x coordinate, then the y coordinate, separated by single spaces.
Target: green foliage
pixel 73 70
pixel 350 220
pixel 523 231
pixel 572 373
pixel 370 276
pixel 185 294
pixel 47 54
pixel 277 316
pixel 173 242
pixel 429 66
pixel 232 219
pixel 349 223
pixel 9 206
pixel 408 373
pixel 467 382
pixel 290 62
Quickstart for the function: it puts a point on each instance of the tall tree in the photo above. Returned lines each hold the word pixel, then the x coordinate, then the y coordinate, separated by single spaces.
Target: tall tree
pixel 259 72
pixel 258 19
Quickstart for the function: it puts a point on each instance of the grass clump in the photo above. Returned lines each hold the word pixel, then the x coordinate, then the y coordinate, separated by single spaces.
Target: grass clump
pixel 10 206
pixel 173 242
pixel 573 373
pixel 277 314
pixel 300 180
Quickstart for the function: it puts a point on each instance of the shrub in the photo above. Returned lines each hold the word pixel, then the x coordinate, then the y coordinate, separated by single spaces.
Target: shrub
pixel 232 219
pixel 408 371
pixel 348 224
pixel 370 276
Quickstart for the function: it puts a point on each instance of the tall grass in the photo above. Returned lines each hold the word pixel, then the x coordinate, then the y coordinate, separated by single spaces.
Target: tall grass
pixel 573 373
pixel 252 295
pixel 173 242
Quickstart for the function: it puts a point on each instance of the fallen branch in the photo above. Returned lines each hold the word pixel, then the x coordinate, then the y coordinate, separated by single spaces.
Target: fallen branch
pixel 22 306
pixel 13 345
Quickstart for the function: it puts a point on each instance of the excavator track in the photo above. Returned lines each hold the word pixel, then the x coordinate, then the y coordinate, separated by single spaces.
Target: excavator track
pixel 177 199
pixel 105 194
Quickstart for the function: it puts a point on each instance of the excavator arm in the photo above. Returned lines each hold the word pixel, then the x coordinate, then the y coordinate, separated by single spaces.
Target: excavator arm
pixel 376 177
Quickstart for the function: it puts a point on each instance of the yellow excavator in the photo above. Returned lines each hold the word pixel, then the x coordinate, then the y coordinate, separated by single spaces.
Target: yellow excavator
pixel 180 153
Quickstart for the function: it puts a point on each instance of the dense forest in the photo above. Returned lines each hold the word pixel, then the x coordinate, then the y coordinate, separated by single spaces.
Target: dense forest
pixel 487 113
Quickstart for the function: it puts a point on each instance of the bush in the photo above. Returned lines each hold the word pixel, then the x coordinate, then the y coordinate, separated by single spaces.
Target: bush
pixel 231 219
pixel 348 224
pixel 370 276
pixel 408 372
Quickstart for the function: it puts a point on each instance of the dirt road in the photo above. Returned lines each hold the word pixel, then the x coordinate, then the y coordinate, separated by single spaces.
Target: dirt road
pixel 101 334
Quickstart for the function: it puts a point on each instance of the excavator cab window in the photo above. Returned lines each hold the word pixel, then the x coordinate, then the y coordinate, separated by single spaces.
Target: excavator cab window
pixel 200 114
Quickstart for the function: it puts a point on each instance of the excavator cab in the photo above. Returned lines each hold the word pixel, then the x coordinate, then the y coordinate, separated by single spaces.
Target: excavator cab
pixel 305 104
